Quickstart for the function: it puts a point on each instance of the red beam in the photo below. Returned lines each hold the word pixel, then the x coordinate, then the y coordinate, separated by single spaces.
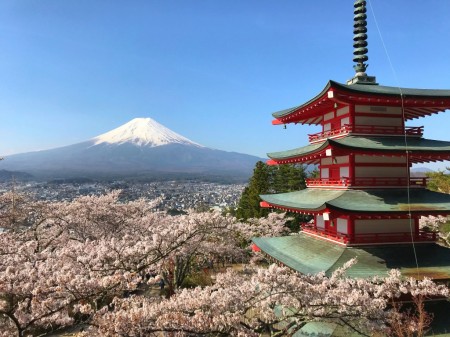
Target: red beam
pixel 277 122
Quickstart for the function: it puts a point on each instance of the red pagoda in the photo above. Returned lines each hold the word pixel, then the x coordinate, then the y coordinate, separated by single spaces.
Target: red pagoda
pixel 364 203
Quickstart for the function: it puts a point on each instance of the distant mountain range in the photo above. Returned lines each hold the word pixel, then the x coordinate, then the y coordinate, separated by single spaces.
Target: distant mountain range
pixel 420 171
pixel 139 148
pixel 6 175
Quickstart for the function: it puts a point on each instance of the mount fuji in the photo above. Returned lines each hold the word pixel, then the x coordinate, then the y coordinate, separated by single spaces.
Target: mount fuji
pixel 139 148
pixel 142 132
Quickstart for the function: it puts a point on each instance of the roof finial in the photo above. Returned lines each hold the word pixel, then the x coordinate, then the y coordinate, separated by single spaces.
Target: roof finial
pixel 360 45
pixel 360 37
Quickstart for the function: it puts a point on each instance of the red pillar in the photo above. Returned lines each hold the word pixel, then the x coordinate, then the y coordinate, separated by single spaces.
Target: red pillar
pixel 351 168
pixel 351 110
pixel 416 226
pixel 351 229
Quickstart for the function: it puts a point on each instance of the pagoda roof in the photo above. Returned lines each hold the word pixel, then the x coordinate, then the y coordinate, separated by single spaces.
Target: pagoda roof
pixel 384 201
pixel 309 255
pixel 416 102
pixel 420 149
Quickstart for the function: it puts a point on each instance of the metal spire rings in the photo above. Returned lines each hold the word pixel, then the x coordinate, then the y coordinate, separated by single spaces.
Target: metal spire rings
pixel 360 37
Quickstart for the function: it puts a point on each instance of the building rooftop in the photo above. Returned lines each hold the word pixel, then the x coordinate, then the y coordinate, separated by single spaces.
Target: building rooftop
pixel 416 102
pixel 390 201
pixel 309 255
pixel 421 149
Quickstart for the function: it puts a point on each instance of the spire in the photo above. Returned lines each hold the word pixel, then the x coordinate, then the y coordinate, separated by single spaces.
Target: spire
pixel 360 37
pixel 360 45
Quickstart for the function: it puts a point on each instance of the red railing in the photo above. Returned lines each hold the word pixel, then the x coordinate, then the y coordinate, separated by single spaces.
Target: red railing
pixel 367 182
pixel 367 129
pixel 414 131
pixel 311 228
pixel 388 130
pixel 330 133
pixel 389 181
pixel 394 237
pixel 323 182
pixel 369 238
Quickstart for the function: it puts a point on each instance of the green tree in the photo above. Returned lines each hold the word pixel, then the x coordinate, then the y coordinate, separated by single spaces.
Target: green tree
pixel 269 179
pixel 248 206
pixel 439 181
pixel 287 178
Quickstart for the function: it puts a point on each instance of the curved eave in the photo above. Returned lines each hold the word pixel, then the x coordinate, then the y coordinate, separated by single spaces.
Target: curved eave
pixel 304 200
pixel 420 150
pixel 307 201
pixel 381 90
pixel 381 201
pixel 416 102
pixel 308 113
pixel 310 154
pixel 309 255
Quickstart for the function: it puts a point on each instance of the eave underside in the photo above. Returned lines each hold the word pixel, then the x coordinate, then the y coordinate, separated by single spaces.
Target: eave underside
pixel 309 255
pixel 420 150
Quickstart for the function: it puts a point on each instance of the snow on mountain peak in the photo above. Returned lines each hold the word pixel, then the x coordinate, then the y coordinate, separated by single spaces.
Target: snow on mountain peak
pixel 142 132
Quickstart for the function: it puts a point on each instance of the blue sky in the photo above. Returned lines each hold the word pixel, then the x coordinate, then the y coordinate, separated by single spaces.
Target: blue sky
pixel 213 71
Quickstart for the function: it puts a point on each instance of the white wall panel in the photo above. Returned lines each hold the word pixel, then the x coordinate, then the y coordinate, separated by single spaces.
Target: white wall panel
pixel 344 171
pixel 382 172
pixel 342 225
pixel 320 223
pixel 383 226
pixel 379 159
pixel 343 111
pixel 379 109
pixel 328 116
pixel 378 121
pixel 345 120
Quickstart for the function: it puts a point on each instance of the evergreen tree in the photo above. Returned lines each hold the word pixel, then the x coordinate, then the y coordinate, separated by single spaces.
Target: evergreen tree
pixel 269 179
pixel 248 206
pixel 295 178
pixel 288 178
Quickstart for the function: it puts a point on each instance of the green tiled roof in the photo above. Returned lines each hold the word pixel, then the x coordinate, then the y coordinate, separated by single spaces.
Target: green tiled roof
pixel 440 326
pixel 306 199
pixel 393 143
pixel 391 91
pixel 371 90
pixel 309 255
pixel 385 144
pixel 370 200
pixel 301 252
pixel 301 151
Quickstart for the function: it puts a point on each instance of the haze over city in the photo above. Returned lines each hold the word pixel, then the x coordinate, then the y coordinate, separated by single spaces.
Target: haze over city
pixel 211 71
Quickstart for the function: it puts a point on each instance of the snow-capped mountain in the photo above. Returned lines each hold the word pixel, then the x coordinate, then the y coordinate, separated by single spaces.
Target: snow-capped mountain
pixel 142 132
pixel 141 147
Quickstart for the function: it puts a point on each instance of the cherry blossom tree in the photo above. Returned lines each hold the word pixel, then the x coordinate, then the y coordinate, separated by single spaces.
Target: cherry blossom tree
pixel 433 224
pixel 224 239
pixel 63 263
pixel 87 251
pixel 18 210
pixel 275 301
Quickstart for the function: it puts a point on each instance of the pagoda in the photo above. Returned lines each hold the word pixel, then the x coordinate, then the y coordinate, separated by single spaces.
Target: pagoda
pixel 364 203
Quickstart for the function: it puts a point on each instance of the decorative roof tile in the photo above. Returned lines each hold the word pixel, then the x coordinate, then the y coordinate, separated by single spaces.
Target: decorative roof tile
pixel 393 200
pixel 384 144
pixel 440 96
pixel 309 255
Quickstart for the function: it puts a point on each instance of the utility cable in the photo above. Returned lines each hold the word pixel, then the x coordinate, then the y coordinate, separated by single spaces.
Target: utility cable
pixel 404 136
